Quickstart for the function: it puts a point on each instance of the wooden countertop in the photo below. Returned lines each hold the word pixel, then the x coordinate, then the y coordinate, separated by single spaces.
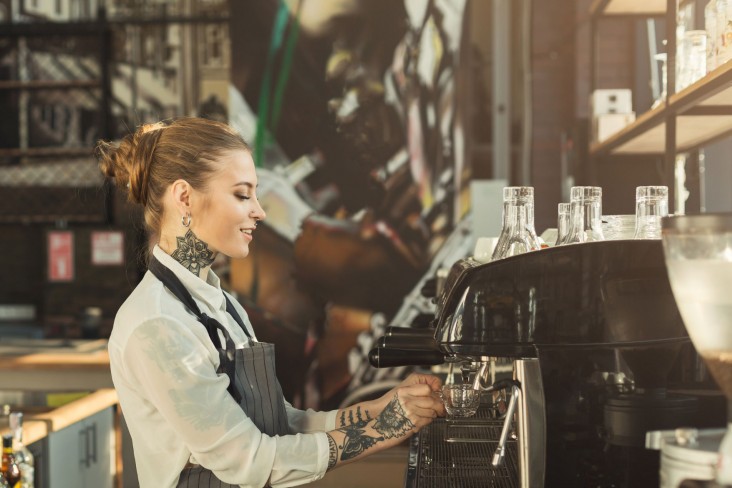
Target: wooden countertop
pixel 82 366
pixel 91 354
pixel 38 425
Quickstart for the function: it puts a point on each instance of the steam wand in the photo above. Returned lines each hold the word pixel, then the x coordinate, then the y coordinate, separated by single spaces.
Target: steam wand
pixel 500 454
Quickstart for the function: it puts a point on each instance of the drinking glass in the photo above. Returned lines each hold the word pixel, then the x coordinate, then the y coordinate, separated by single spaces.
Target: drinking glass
pixel 585 215
pixel 563 213
pixel 651 204
pixel 461 400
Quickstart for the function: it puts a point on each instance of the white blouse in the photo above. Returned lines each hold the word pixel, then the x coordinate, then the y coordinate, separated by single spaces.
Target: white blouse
pixel 178 409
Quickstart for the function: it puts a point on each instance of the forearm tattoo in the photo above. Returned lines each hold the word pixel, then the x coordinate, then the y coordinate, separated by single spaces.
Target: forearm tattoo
pixel 356 440
pixel 332 452
pixel 351 420
pixel 192 253
pixel 393 421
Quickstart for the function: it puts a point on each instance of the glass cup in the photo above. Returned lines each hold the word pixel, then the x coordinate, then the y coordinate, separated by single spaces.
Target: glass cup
pixel 651 204
pixel 460 400
pixel 563 212
pixel 585 217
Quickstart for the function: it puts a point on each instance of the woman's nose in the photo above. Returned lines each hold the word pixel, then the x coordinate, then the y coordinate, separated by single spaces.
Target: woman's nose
pixel 259 212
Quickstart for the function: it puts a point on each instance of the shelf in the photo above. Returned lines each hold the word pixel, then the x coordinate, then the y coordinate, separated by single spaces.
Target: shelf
pixel 703 114
pixel 628 7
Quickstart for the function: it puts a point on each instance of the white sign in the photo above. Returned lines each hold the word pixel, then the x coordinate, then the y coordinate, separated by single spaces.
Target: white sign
pixel 107 248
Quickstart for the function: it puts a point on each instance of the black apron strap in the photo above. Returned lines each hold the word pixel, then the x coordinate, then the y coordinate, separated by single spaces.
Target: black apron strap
pixel 226 355
pixel 232 311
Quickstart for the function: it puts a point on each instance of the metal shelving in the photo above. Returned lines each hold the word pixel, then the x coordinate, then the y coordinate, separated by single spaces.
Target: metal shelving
pixel 686 121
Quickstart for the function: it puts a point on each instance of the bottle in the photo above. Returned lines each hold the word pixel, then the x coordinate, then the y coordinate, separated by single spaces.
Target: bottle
pixel 585 218
pixel 10 469
pixel 23 456
pixel 517 234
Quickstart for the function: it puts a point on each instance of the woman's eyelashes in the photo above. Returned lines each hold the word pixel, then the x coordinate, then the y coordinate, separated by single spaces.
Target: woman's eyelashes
pixel 243 197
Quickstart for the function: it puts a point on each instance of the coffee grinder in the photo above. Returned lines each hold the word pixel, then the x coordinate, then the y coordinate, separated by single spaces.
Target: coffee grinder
pixel 698 255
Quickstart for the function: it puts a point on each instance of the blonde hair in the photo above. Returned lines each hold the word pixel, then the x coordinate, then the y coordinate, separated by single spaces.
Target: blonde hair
pixel 147 161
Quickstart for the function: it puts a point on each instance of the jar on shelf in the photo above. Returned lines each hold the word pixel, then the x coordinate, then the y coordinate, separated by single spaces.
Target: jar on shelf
pixel 695 51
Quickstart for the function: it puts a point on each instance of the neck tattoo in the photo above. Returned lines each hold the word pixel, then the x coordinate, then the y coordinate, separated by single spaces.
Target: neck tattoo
pixel 193 253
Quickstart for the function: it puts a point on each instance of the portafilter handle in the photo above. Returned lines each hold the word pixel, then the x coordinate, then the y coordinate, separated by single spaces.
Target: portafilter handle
pixel 500 454
pixel 394 331
pixel 386 357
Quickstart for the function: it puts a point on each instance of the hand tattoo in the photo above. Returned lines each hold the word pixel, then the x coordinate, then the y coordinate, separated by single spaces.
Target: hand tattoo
pixel 393 421
pixel 332 452
pixel 356 441
pixel 192 253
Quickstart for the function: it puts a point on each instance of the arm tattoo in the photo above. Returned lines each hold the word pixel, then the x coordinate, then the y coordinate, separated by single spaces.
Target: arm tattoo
pixel 351 420
pixel 332 452
pixel 192 253
pixel 356 440
pixel 392 421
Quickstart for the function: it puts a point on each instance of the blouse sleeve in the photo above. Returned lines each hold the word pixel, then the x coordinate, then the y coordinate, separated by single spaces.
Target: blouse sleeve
pixel 174 372
pixel 309 420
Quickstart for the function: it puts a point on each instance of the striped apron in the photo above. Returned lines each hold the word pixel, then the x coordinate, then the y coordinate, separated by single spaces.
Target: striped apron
pixel 251 371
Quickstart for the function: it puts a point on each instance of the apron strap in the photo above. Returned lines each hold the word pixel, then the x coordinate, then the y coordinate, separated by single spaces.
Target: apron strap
pixel 226 355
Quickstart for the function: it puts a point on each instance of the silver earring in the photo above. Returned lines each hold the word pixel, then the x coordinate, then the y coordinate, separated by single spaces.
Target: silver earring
pixel 186 220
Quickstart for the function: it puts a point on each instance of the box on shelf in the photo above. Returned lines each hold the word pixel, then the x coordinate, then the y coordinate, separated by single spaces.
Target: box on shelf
pixel 615 101
pixel 605 125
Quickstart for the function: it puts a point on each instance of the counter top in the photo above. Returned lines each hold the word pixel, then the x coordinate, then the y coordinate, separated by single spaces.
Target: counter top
pixel 54 365
pixel 37 425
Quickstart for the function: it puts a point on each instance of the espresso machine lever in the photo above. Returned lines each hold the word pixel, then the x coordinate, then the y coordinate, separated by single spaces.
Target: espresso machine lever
pixel 500 454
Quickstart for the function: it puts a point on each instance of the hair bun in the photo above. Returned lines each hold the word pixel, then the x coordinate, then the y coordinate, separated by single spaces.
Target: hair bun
pixel 128 162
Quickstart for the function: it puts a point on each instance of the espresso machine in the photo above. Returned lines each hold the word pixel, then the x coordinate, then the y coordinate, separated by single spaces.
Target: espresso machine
pixel 596 355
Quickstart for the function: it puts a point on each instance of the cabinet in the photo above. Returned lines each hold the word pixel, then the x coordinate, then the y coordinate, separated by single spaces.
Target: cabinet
pixel 698 115
pixel 82 455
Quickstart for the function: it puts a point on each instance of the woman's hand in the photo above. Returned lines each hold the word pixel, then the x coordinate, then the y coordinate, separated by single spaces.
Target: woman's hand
pixel 411 407
pixel 412 396
pixel 401 412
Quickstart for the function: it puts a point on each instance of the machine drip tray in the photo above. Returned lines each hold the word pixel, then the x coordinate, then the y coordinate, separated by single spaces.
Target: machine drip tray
pixel 446 454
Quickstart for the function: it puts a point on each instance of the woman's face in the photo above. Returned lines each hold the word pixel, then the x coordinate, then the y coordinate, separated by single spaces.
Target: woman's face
pixel 226 213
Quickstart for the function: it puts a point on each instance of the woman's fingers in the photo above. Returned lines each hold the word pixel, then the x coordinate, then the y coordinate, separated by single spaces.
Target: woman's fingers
pixel 432 381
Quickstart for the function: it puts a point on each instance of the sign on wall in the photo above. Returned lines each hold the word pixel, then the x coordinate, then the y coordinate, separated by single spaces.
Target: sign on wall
pixel 107 248
pixel 60 256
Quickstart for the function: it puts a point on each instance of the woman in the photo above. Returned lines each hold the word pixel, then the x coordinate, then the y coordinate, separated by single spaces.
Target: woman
pixel 198 391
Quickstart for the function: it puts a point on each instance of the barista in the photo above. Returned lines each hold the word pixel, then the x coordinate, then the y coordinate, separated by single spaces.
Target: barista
pixel 198 391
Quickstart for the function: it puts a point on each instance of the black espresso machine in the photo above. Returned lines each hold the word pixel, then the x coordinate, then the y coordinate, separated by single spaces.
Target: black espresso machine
pixel 598 355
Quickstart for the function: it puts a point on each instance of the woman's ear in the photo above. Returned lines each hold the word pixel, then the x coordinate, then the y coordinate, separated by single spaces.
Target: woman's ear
pixel 181 193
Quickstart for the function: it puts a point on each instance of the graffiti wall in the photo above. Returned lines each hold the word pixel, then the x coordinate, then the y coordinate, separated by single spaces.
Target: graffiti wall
pixel 354 112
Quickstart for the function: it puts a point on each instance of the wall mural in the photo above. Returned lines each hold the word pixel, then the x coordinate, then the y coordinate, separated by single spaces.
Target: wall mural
pixel 353 111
